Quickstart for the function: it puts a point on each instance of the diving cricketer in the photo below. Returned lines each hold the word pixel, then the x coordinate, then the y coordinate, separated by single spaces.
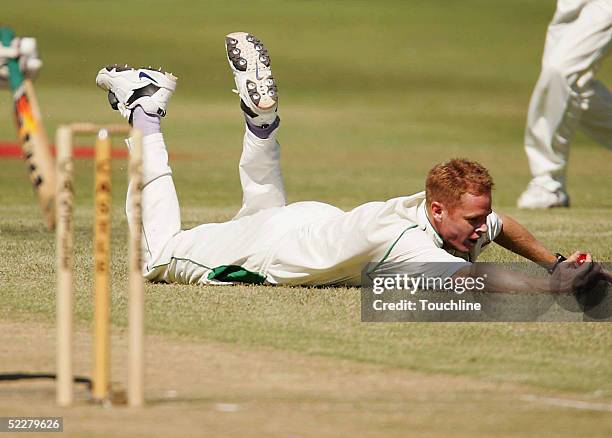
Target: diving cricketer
pixel 313 243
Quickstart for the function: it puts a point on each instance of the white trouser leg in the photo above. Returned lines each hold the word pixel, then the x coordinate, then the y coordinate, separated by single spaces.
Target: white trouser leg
pixel 596 120
pixel 260 174
pixel 161 216
pixel 577 40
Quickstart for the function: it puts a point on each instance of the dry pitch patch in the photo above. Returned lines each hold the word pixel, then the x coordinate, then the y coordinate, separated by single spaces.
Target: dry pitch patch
pixel 222 389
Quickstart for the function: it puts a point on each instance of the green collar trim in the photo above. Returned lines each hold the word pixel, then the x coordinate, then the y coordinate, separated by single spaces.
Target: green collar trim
pixel 391 249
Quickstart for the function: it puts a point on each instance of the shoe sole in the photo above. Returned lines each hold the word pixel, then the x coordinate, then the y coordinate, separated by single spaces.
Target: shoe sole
pixel 247 54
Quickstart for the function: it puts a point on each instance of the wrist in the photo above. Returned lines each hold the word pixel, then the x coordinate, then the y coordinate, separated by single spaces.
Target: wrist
pixel 559 258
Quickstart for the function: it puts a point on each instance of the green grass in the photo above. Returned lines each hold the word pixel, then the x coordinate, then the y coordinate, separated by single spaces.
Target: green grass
pixel 372 95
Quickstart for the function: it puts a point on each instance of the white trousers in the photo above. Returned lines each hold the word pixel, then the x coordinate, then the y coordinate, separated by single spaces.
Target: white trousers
pixel 260 177
pixel 304 243
pixel 566 95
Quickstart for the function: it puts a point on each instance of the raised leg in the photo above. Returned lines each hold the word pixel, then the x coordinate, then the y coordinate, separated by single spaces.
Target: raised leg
pixel 260 174
pixel 161 216
pixel 141 96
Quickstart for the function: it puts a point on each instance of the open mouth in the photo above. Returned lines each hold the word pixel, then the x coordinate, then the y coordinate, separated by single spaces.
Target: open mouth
pixel 471 242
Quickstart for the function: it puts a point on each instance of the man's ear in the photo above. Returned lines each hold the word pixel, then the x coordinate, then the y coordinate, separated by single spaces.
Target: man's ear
pixel 437 211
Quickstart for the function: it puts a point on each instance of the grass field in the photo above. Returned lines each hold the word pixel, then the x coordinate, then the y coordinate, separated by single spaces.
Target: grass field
pixel 372 95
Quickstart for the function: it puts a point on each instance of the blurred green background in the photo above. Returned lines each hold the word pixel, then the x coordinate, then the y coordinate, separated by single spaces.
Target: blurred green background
pixel 380 90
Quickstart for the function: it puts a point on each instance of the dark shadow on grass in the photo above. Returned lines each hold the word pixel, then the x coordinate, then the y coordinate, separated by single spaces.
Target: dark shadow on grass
pixel 9 377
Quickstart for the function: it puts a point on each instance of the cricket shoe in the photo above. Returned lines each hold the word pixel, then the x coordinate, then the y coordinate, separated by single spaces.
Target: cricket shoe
pixel 131 87
pixel 536 196
pixel 250 64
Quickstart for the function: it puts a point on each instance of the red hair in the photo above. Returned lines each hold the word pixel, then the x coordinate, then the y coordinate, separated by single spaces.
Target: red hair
pixel 446 182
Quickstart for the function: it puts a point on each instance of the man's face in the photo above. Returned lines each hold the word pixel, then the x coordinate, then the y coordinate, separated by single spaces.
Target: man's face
pixel 462 225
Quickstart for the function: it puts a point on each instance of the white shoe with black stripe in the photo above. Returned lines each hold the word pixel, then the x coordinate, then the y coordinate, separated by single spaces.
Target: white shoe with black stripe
pixel 131 87
pixel 250 63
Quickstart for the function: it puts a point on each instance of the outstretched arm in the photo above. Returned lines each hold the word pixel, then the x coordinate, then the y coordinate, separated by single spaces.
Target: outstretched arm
pixel 578 271
pixel 569 276
pixel 516 238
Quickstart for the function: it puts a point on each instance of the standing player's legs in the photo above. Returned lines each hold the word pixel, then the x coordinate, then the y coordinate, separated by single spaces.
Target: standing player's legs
pixel 596 120
pixel 578 38
pixel 260 174
pixel 141 95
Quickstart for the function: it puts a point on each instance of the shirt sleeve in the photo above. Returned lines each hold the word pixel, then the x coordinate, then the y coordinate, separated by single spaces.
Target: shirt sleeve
pixel 494 226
